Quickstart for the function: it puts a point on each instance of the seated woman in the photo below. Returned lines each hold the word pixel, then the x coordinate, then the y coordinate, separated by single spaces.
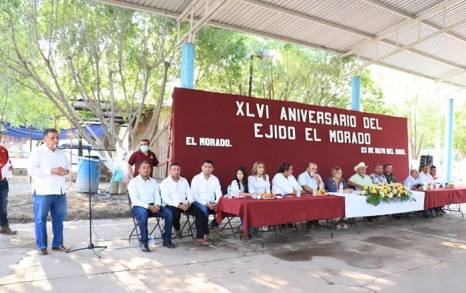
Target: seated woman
pixel 336 183
pixel 284 182
pixel 239 185
pixel 258 181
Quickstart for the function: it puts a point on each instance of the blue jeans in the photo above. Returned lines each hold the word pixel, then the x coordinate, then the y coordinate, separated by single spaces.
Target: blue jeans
pixel 56 205
pixel 3 202
pixel 142 214
pixel 206 212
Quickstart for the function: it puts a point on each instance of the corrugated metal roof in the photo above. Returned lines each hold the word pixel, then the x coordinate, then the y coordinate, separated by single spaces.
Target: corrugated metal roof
pixel 424 37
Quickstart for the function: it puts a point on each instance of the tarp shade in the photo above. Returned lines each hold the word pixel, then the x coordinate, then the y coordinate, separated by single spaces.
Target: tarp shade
pixel 36 134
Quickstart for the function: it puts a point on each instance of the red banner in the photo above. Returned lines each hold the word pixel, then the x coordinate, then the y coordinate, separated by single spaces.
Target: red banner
pixel 235 131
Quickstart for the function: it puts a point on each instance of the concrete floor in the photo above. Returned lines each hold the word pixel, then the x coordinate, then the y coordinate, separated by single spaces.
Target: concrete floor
pixel 417 255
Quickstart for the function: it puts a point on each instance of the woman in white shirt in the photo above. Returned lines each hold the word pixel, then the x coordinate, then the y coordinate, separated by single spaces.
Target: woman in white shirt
pixel 239 185
pixel 284 182
pixel 258 181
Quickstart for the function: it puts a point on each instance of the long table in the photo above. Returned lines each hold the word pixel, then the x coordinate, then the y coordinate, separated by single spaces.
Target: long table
pixel 256 213
pixel 356 205
pixel 290 209
pixel 441 197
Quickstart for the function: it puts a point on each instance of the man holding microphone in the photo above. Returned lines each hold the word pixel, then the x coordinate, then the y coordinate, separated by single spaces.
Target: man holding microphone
pixel 48 168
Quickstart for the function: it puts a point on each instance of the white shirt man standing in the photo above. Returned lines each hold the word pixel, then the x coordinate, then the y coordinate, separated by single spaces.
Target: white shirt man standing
pixel 48 167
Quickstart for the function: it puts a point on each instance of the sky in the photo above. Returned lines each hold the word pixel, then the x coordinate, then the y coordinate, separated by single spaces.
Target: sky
pixel 398 86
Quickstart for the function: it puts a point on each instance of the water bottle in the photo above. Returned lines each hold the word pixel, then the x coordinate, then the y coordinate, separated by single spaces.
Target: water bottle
pixel 229 190
pixel 340 188
pixel 151 241
pixel 298 192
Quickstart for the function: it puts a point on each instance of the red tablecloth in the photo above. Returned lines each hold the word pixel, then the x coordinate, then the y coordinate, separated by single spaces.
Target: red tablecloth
pixel 441 197
pixel 263 212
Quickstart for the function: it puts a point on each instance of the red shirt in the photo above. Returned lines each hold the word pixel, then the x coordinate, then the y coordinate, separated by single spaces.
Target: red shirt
pixel 4 158
pixel 138 157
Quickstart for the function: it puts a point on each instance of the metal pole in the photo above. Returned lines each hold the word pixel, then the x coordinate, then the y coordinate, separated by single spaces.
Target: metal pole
pixel 250 75
pixel 449 140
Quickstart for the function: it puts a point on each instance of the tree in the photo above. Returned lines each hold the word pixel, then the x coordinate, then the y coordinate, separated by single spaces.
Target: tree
pixel 459 129
pixel 294 73
pixel 108 57
pixel 425 123
pixel 20 106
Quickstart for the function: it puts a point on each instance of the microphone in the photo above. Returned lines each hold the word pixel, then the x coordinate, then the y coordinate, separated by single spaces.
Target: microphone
pixel 74 147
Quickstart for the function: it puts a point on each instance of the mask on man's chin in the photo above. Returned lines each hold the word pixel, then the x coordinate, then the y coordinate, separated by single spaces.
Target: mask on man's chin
pixel 144 148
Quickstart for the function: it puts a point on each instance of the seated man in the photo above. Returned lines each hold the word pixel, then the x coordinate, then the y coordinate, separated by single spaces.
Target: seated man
pixel 360 179
pixel 284 182
pixel 146 201
pixel 412 181
pixel 435 177
pixel 310 180
pixel 388 169
pixel 424 175
pixel 378 177
pixel 176 196
pixel 436 180
pixel 206 192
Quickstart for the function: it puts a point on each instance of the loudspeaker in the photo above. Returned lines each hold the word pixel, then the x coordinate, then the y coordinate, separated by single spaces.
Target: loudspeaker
pixel 426 160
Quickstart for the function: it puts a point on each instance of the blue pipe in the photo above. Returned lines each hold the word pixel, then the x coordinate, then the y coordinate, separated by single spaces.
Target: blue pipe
pixel 187 65
pixel 356 93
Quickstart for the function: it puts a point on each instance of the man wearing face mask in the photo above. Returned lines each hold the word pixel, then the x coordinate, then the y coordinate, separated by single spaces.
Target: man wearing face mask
pixel 48 167
pixel 142 155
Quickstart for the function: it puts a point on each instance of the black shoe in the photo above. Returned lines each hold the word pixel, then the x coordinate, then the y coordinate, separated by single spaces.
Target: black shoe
pixel 213 224
pixel 168 244
pixel 144 246
pixel 6 230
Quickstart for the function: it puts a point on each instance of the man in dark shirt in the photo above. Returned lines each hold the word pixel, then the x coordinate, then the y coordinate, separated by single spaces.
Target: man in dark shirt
pixel 388 168
pixel 143 154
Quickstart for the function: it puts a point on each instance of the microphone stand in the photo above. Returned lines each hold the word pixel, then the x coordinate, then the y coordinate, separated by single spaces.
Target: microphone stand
pixel 90 245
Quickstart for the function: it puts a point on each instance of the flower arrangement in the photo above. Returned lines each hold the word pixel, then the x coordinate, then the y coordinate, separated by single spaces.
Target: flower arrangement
pixel 386 193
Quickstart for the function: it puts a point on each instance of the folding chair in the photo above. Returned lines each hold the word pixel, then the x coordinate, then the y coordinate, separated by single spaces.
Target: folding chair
pixel 189 225
pixel 135 232
pixel 228 225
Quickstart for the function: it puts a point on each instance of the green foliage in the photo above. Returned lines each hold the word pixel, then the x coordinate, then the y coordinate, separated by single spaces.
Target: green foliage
pixel 372 96
pixel 459 143
pixel 22 106
pixel 101 52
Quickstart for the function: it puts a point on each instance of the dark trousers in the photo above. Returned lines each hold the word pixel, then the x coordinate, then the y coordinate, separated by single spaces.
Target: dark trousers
pixel 4 188
pixel 201 222
pixel 142 215
pixel 205 213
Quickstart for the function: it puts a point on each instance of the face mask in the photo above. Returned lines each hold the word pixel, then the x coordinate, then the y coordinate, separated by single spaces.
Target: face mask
pixel 144 148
